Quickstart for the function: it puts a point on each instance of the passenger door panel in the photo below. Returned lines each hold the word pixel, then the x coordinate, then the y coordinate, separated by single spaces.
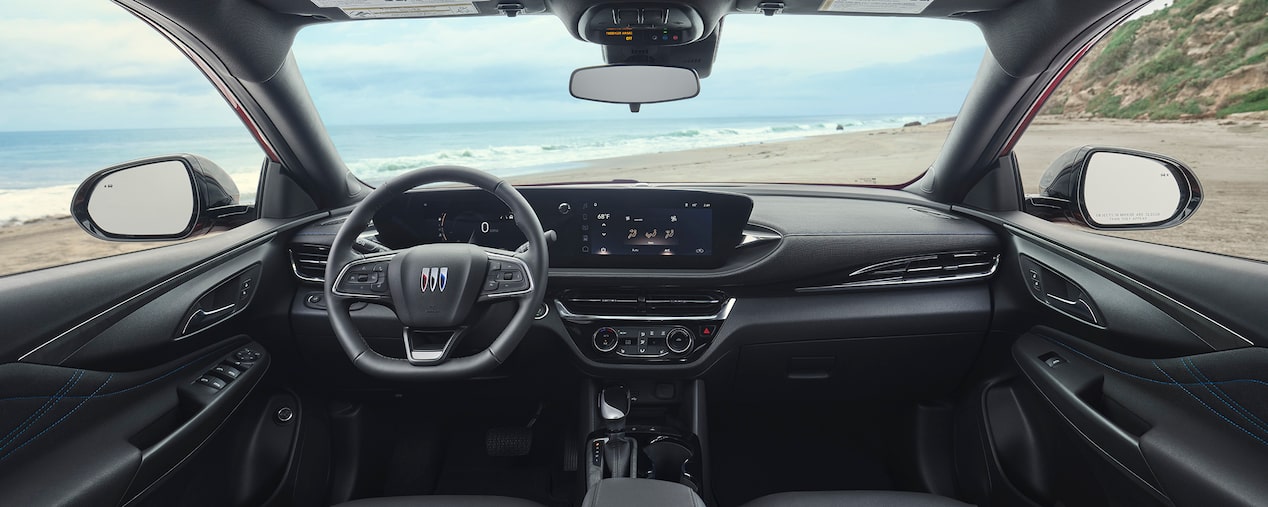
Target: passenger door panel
pixel 1166 386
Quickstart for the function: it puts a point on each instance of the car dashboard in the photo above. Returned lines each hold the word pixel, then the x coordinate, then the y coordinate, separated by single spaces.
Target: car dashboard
pixel 786 283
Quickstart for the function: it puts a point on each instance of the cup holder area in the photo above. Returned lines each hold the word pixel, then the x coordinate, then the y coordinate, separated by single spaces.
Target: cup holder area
pixel 670 458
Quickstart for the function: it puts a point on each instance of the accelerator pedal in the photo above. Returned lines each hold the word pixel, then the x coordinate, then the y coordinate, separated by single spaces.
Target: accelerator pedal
pixel 511 440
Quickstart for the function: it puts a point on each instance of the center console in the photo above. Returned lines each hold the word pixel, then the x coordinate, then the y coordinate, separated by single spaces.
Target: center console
pixel 651 432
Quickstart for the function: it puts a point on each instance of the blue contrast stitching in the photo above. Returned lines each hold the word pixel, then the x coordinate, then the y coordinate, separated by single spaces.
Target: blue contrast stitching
pixel 1222 396
pixel 121 391
pixel 59 421
pixel 1146 379
pixel 77 376
pixel 1208 407
pixel 65 387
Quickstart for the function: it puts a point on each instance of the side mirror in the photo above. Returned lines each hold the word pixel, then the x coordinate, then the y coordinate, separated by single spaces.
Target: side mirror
pixel 634 84
pixel 157 199
pixel 1117 189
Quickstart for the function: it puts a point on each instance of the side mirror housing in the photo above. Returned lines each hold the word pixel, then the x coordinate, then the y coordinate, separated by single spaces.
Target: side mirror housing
pixel 158 199
pixel 634 84
pixel 1108 188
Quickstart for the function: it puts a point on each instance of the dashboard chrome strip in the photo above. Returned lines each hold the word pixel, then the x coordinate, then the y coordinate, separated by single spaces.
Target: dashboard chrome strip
pixel 890 282
pixel 568 315
pixel 755 234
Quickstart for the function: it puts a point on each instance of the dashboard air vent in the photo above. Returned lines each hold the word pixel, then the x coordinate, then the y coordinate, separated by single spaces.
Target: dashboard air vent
pixel 932 268
pixel 644 304
pixel 309 262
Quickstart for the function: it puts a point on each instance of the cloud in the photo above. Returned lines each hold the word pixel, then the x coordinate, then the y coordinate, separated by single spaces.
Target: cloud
pixel 86 65
pixel 410 71
pixel 92 65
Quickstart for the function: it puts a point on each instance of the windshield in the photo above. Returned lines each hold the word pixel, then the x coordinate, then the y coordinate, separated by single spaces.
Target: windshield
pixel 865 101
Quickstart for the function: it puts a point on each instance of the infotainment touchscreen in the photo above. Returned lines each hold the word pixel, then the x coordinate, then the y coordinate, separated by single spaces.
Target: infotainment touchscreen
pixel 647 231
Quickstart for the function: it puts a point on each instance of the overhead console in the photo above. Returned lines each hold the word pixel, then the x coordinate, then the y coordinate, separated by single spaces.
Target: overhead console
pixel 641 24
pixel 594 227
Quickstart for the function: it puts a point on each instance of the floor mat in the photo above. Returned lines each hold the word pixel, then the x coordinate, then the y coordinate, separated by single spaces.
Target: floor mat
pixel 759 449
pixel 467 469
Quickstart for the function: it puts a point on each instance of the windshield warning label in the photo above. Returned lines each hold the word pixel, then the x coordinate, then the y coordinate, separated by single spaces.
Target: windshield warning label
pixel 876 6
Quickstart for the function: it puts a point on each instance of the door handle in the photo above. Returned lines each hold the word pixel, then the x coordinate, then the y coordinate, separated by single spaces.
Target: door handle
pixel 1077 306
pixel 202 318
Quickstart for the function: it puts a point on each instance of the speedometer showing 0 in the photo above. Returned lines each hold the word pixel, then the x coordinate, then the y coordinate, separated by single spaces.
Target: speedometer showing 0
pixel 472 227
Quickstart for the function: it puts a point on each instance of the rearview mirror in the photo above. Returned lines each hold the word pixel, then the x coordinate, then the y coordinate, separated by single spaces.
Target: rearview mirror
pixel 1117 188
pixel 634 84
pixel 156 199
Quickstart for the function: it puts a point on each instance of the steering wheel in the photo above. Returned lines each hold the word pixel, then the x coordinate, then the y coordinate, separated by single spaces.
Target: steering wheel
pixel 433 288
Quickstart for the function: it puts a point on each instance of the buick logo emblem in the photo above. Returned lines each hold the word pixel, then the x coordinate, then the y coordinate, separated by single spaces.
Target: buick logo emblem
pixel 434 279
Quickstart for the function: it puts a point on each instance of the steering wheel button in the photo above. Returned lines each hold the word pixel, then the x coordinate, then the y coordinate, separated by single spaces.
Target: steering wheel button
pixel 491 286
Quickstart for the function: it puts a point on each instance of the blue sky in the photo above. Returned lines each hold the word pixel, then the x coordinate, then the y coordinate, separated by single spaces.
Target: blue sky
pixel 80 64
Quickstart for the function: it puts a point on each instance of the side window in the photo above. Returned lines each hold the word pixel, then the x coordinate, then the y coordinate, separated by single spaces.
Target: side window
pixel 84 85
pixel 1188 80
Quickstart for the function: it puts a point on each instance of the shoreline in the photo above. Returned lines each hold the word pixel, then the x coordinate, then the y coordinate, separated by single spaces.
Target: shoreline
pixel 1226 155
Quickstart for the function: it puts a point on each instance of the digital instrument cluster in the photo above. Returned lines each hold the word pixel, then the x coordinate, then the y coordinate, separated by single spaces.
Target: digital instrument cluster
pixel 594 227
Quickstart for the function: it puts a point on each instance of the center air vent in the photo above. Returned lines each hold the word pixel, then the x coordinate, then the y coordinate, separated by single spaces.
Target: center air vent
pixel 309 262
pixel 932 268
pixel 644 303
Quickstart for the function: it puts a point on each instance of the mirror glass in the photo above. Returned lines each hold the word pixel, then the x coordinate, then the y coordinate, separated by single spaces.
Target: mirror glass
pixel 634 84
pixel 154 199
pixel 1123 189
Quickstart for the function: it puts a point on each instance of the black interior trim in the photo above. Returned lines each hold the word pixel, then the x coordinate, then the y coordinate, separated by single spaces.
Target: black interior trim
pixel 31 323
pixel 1220 337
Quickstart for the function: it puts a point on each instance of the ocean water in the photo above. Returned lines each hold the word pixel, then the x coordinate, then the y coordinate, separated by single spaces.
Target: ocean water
pixel 39 171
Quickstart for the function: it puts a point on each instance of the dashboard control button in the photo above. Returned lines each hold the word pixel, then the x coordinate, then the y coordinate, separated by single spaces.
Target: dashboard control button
pixel 564 208
pixel 679 340
pixel 605 339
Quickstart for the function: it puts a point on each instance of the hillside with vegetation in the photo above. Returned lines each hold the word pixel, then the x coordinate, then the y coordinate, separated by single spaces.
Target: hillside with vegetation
pixel 1192 59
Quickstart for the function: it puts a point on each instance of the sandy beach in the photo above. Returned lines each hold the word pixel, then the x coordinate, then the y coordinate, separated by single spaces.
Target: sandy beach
pixel 1230 158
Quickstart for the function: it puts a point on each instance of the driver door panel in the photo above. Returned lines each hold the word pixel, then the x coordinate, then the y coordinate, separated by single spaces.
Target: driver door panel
pixel 102 394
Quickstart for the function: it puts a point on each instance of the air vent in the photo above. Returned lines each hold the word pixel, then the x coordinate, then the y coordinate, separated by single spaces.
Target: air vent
pixel 309 262
pixel 639 304
pixel 933 268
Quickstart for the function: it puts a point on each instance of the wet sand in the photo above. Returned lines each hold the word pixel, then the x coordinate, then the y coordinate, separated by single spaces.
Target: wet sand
pixel 1230 158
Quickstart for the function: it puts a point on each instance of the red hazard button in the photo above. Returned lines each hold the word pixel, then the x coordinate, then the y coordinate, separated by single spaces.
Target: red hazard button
pixel 707 331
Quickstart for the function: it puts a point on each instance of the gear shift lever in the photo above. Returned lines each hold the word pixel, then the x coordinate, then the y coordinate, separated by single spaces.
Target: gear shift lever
pixel 614 406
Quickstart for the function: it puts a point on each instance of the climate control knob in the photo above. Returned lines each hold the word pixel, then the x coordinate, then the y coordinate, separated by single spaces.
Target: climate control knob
pixel 605 339
pixel 679 340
